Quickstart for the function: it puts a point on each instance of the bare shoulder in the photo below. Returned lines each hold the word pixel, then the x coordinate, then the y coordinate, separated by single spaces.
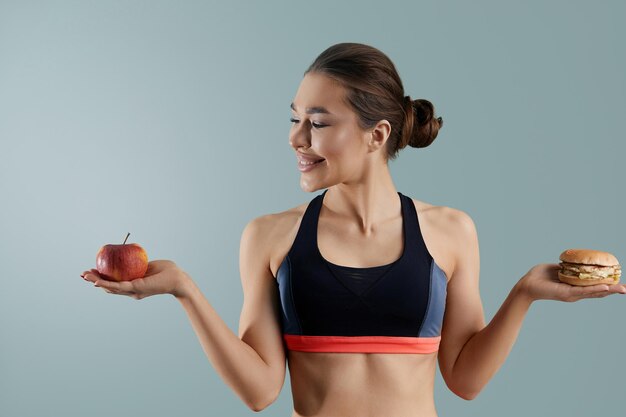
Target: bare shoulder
pixel 446 231
pixel 279 223
pixel 443 216
pixel 278 230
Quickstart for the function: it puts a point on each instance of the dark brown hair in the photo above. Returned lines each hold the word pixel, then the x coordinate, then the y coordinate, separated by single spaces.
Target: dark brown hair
pixel 375 92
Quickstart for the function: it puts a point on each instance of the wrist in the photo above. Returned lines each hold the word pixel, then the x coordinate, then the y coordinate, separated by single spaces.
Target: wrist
pixel 521 292
pixel 184 286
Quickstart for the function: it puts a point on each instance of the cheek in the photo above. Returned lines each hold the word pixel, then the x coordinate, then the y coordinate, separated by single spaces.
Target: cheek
pixel 340 144
pixel 332 151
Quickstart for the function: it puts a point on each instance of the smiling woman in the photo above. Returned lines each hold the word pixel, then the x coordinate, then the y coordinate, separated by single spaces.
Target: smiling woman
pixel 350 89
pixel 362 289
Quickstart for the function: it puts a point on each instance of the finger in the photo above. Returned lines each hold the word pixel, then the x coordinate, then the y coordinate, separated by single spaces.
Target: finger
pixel 106 287
pixel 601 294
pixel 589 289
pixel 614 288
pixel 95 272
pixel 106 284
pixel 91 275
pixel 617 288
pixel 113 287
pixel 598 294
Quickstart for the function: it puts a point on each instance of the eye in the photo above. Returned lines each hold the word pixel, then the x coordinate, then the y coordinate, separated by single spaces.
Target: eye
pixel 315 125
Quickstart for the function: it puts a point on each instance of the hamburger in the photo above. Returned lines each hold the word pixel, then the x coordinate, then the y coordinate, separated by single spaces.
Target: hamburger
pixel 589 267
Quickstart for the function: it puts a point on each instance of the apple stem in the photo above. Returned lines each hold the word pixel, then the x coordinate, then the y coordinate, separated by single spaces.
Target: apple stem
pixel 126 238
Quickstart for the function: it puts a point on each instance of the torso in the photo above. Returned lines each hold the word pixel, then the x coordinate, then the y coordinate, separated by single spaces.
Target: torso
pixel 333 384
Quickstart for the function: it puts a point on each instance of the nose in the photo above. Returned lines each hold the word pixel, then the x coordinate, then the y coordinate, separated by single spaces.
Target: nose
pixel 299 136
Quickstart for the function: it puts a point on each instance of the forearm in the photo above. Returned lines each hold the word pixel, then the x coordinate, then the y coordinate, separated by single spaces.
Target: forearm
pixel 235 361
pixel 486 351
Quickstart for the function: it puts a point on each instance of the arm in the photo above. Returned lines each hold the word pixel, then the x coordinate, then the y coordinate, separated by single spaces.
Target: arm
pixel 253 363
pixel 471 353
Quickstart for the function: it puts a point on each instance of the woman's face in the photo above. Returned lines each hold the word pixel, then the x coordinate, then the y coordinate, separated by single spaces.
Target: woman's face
pixel 324 126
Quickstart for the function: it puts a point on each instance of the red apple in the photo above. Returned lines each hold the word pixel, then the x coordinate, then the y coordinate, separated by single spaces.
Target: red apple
pixel 123 262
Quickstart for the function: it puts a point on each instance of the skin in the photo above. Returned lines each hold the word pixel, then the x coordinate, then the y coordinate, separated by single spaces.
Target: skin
pixel 360 225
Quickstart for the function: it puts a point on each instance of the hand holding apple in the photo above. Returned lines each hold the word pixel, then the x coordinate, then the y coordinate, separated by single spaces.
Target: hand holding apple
pixel 124 269
pixel 124 262
pixel 162 277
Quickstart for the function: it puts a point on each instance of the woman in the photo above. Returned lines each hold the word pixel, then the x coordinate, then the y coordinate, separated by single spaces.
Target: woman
pixel 362 288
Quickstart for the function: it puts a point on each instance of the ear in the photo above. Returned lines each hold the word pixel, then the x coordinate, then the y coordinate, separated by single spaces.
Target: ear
pixel 379 135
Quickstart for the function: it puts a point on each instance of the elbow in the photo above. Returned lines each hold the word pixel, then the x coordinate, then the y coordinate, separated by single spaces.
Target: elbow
pixel 468 395
pixel 265 392
pixel 260 406
pixel 262 403
pixel 256 407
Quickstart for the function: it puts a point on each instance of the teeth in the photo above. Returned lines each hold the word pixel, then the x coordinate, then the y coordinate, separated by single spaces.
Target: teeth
pixel 302 162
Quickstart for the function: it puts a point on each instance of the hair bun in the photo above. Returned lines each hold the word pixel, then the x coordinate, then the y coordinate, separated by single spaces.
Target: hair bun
pixel 426 126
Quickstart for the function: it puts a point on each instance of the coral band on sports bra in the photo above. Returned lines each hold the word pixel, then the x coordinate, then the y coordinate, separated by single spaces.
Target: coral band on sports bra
pixel 393 308
pixel 379 344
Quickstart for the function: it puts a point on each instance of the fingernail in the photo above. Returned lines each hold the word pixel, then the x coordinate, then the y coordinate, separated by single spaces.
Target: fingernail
pixel 95 284
pixel 82 276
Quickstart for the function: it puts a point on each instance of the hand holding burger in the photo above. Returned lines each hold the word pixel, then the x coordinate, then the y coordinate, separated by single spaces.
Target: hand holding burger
pixel 585 267
pixel 582 273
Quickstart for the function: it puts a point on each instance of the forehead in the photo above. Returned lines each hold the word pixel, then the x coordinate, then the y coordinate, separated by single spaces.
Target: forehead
pixel 318 90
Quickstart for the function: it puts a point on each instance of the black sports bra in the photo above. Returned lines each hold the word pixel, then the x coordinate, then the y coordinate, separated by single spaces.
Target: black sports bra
pixel 393 308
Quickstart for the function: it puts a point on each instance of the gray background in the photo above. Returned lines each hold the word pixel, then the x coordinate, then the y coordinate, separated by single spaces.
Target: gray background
pixel 169 120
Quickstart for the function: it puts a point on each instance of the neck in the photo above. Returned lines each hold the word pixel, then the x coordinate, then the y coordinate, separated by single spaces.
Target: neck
pixel 367 203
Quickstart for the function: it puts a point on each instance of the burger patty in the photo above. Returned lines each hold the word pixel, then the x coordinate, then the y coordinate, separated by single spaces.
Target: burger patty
pixel 584 271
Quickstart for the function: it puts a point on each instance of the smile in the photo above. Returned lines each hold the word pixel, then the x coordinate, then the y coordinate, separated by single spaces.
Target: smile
pixel 308 166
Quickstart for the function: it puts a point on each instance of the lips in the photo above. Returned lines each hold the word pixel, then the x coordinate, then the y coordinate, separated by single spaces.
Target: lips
pixel 309 158
pixel 305 166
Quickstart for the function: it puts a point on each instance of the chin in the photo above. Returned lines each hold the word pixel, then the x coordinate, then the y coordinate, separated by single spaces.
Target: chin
pixel 311 188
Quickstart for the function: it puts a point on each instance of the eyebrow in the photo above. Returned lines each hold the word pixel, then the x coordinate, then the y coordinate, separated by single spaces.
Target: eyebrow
pixel 313 110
